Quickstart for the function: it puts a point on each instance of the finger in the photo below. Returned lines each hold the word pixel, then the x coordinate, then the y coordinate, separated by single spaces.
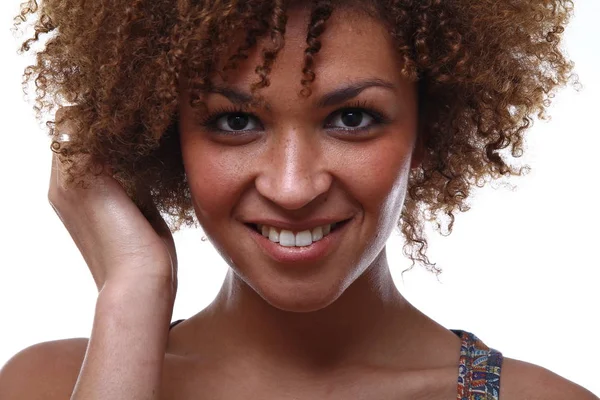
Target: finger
pixel 148 208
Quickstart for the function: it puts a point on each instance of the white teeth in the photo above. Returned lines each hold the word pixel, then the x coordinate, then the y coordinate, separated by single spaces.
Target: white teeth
pixel 317 233
pixel 273 235
pixel 288 238
pixel 304 238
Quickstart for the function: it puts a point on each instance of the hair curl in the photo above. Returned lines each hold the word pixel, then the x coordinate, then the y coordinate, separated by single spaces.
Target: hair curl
pixel 484 70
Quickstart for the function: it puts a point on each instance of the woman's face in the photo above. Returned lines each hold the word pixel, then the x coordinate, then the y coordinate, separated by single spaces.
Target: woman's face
pixel 296 164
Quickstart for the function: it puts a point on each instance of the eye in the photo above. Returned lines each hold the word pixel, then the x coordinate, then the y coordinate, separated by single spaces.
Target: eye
pixel 235 122
pixel 351 119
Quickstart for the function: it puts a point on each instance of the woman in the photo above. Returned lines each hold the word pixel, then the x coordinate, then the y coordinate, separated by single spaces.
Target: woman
pixel 360 116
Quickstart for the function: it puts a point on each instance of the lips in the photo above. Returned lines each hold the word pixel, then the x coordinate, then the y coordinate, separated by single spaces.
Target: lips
pixel 259 227
pixel 289 238
pixel 295 226
pixel 299 254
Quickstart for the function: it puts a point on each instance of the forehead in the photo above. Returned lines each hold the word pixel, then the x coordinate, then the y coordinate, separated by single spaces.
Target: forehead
pixel 355 46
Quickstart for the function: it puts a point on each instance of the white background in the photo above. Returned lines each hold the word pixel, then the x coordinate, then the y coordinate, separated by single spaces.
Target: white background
pixel 521 269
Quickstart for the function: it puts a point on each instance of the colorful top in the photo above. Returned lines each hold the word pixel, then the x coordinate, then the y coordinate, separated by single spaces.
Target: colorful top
pixel 478 370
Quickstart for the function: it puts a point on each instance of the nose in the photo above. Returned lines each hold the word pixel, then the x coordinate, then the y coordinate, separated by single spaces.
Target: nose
pixel 293 171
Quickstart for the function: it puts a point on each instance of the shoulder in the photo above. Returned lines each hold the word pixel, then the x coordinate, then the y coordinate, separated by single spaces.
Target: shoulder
pixel 524 381
pixel 45 370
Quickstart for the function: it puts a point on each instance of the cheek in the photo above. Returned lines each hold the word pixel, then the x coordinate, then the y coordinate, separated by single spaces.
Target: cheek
pixel 214 180
pixel 377 175
pixel 376 178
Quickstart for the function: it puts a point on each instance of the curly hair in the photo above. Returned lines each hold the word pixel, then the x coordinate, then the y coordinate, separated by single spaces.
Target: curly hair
pixel 484 70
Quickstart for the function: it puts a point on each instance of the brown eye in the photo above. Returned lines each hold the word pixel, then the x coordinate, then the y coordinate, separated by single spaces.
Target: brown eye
pixel 351 119
pixel 236 122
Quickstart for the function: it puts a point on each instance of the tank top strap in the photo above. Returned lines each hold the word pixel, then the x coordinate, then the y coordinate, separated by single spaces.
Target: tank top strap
pixel 175 323
pixel 479 369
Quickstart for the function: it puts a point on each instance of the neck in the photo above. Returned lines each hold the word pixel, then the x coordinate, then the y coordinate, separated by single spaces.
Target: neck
pixel 360 326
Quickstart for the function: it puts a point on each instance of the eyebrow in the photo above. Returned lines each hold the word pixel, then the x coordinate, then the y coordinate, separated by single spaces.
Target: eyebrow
pixel 337 96
pixel 350 91
pixel 234 95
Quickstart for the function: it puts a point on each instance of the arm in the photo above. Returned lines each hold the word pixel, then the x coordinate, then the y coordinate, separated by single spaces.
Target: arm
pixel 127 365
pixel 125 355
pixel 131 254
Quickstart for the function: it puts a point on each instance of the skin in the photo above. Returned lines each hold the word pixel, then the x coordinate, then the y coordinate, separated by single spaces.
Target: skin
pixel 342 313
pixel 335 329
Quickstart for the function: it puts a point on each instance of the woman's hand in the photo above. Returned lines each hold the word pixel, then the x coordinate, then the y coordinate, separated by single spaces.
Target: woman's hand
pixel 132 258
pixel 118 242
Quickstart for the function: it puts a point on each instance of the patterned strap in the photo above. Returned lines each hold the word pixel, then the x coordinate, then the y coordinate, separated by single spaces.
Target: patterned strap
pixel 479 369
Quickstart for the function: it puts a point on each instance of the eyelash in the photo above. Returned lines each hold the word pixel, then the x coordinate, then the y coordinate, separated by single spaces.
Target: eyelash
pixel 210 120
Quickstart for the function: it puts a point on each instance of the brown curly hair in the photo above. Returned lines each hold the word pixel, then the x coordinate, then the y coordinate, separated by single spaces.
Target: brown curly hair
pixel 484 70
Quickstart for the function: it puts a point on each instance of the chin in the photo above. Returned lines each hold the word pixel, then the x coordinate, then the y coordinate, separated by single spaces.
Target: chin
pixel 300 297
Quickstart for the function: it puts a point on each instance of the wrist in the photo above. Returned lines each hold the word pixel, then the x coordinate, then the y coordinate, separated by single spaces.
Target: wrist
pixel 146 291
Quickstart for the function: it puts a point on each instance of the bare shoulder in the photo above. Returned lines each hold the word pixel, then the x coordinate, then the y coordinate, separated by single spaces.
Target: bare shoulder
pixel 525 381
pixel 45 370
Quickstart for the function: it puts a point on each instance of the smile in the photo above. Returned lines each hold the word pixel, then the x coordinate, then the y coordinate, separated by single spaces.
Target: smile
pixel 288 238
pixel 287 246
